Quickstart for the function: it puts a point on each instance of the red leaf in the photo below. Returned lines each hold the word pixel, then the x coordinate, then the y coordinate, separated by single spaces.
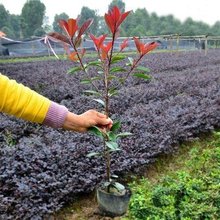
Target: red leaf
pixel 123 16
pixel 106 49
pixel 124 44
pixel 98 41
pixel 149 47
pixel 59 37
pixel 114 18
pixel 72 27
pixel 73 56
pixel 109 22
pixel 115 13
pixel 137 43
pixel 64 25
pixel 84 27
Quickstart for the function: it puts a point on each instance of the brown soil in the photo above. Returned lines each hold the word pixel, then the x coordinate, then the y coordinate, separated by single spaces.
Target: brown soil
pixel 84 208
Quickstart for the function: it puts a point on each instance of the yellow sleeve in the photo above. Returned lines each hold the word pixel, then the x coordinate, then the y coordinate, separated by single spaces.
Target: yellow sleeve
pixel 21 101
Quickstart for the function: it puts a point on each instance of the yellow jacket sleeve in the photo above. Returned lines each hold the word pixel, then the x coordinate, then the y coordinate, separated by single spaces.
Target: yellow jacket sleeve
pixel 21 101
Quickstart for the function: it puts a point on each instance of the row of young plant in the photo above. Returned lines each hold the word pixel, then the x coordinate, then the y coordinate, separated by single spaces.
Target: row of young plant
pixel 45 166
pixel 185 187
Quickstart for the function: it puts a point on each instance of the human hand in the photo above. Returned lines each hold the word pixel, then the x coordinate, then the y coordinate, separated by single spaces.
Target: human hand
pixel 81 123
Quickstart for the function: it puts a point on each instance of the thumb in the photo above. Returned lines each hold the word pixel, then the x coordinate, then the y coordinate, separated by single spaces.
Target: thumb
pixel 103 119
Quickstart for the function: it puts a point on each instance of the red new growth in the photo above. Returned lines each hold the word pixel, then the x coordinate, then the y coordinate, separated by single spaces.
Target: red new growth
pixel 70 27
pixel 105 49
pixel 114 18
pixel 124 44
pixel 98 41
pixel 144 48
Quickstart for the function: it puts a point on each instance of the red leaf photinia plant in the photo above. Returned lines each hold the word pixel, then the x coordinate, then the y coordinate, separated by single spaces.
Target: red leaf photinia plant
pixel 113 67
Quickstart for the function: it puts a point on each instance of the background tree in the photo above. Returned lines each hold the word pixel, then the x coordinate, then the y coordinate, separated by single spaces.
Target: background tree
pixel 155 22
pixel 32 14
pixel 46 25
pixel 138 23
pixel 102 29
pixel 215 30
pixel 4 16
pixel 189 27
pixel 32 21
pixel 39 32
pixel 5 22
pixel 169 25
pixel 58 17
pixel 15 25
pixel 8 31
pixel 119 3
pixel 202 28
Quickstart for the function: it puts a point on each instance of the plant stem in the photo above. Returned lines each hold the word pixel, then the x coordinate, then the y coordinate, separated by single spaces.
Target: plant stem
pixel 106 84
pixel 107 154
pixel 81 63
pixel 129 72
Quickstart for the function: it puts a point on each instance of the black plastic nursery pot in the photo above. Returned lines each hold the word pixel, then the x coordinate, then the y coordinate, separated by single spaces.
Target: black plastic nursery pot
pixel 112 204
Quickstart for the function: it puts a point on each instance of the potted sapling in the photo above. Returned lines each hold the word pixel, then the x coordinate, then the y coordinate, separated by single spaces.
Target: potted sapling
pixel 112 69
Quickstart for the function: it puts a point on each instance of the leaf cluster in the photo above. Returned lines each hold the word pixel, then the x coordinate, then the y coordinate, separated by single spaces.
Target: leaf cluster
pixel 192 192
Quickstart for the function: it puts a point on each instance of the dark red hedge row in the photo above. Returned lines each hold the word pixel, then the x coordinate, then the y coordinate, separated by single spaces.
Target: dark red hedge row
pixel 46 168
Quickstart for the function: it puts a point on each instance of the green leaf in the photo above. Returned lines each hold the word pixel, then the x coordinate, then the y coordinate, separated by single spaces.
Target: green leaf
pixel 94 63
pixel 93 154
pixel 112 145
pixel 100 102
pixel 131 61
pixel 115 127
pixel 112 92
pixel 85 81
pixel 121 80
pixel 96 78
pixel 96 131
pixel 113 176
pixel 92 92
pixel 106 184
pixel 74 70
pixel 124 134
pixel 119 186
pixel 117 69
pixel 90 80
pixel 117 58
pixel 110 77
pixel 111 136
pixel 142 76
pixel 144 69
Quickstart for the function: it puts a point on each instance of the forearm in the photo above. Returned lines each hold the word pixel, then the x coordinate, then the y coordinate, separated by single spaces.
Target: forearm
pixel 22 102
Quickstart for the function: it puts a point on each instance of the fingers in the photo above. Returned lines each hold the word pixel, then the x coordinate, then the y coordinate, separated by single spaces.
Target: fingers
pixel 104 120
pixel 81 123
pixel 109 126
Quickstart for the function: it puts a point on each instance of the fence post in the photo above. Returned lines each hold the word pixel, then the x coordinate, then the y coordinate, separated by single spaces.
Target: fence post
pixel 171 42
pixel 206 45
pixel 177 42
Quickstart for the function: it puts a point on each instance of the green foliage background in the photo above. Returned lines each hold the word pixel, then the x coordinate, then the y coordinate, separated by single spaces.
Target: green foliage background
pixel 190 190
pixel 33 22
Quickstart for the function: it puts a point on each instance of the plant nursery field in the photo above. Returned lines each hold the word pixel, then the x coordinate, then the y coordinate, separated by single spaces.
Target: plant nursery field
pixel 41 169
